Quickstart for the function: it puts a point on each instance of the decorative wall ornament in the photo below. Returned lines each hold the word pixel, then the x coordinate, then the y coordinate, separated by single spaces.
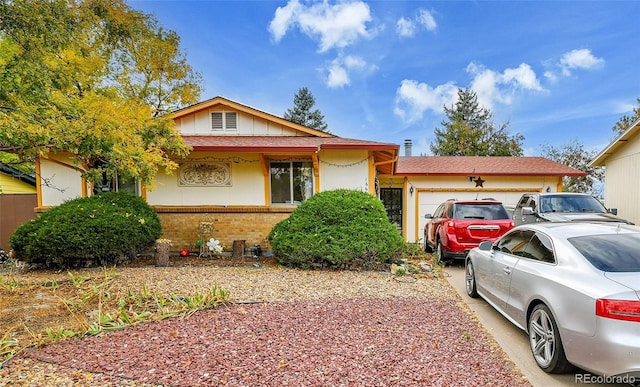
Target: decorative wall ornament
pixel 206 174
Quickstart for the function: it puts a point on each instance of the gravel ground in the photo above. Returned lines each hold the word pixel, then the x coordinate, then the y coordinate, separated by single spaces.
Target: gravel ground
pixel 285 328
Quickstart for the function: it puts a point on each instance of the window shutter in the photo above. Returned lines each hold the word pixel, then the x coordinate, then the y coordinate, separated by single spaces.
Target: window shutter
pixel 216 121
pixel 231 120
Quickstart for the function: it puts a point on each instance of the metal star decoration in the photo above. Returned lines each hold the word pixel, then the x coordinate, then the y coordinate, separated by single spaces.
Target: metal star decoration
pixel 479 182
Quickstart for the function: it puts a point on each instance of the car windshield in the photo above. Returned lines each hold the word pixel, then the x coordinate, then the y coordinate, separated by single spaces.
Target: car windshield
pixel 613 253
pixel 570 203
pixel 489 211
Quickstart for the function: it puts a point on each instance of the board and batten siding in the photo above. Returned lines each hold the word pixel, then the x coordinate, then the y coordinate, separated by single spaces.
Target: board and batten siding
pixel 199 123
pixel 622 182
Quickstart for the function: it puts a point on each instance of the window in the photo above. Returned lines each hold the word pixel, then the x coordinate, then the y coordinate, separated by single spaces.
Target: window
pixel 540 249
pixel 487 211
pixel 515 242
pixel 117 184
pixel 613 253
pixel 291 181
pixel 224 120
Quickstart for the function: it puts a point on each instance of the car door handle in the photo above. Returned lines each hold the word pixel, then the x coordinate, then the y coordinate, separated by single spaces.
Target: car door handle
pixel 507 270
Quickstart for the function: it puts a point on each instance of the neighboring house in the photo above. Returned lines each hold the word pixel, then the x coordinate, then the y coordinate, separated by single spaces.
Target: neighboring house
pixel 427 181
pixel 621 160
pixel 249 169
pixel 17 201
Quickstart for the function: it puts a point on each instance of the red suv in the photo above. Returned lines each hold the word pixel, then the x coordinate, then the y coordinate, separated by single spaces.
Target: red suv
pixel 458 226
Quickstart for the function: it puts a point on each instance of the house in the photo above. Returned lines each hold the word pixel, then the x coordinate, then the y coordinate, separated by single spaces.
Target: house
pixel 17 201
pixel 621 160
pixel 426 181
pixel 249 169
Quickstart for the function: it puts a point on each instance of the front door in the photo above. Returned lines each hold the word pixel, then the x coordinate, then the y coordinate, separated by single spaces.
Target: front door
pixel 392 200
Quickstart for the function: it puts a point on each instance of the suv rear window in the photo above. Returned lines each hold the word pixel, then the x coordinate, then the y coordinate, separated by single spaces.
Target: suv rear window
pixel 488 211
pixel 613 253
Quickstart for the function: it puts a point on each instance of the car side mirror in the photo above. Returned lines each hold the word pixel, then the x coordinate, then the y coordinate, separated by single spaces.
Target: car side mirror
pixel 527 211
pixel 613 211
pixel 485 246
pixel 428 216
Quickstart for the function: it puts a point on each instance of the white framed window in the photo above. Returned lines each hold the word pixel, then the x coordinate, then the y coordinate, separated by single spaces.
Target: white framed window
pixel 221 121
pixel 291 181
pixel 116 184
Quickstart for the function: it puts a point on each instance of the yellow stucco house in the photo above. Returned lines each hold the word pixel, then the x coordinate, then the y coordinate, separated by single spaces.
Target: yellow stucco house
pixel 249 169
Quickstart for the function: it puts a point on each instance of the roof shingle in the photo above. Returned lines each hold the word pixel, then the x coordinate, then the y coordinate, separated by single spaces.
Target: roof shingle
pixel 482 165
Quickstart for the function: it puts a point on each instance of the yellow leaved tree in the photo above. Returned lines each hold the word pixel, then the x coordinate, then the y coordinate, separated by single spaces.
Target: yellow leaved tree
pixel 93 79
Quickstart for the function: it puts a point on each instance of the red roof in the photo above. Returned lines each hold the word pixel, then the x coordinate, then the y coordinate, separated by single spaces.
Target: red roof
pixel 281 143
pixel 482 165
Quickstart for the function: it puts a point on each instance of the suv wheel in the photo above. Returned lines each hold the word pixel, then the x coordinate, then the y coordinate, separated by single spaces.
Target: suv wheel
pixel 440 254
pixel 427 248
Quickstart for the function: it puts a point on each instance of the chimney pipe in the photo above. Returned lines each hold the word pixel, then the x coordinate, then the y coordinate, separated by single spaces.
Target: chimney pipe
pixel 407 147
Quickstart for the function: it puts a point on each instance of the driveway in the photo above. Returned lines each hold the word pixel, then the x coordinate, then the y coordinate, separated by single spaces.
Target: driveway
pixel 513 341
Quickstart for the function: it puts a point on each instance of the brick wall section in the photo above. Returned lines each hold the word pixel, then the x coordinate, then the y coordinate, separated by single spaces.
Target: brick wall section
pixel 251 224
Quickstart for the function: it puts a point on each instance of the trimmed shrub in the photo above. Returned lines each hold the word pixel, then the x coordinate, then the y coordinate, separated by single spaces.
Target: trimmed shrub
pixel 103 229
pixel 343 229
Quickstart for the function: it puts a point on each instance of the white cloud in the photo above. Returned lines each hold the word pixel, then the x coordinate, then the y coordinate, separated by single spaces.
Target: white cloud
pixel 283 19
pixel 336 26
pixel 338 76
pixel 579 59
pixel 413 99
pixel 491 86
pixel 426 19
pixel 339 70
pixel 407 28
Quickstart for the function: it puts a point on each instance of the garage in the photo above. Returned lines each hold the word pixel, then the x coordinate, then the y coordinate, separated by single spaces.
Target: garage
pixel 431 180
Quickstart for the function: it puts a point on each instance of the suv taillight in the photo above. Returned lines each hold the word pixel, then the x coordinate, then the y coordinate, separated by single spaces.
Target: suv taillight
pixel 618 309
pixel 451 227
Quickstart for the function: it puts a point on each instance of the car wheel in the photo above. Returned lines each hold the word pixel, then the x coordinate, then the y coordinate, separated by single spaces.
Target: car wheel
pixel 440 253
pixel 545 342
pixel 470 280
pixel 427 248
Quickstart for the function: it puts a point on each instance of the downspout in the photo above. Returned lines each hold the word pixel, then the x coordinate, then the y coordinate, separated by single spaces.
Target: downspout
pixel 316 169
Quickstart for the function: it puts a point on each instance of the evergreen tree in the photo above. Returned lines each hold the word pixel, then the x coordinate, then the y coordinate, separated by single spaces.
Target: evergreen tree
pixel 470 131
pixel 302 114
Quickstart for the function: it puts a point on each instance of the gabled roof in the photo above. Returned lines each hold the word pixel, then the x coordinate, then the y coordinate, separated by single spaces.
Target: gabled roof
pixel 11 171
pixel 385 154
pixel 622 140
pixel 220 101
pixel 482 165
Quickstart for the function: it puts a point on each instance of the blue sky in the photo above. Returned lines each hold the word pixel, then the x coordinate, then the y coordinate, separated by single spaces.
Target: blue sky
pixel 557 71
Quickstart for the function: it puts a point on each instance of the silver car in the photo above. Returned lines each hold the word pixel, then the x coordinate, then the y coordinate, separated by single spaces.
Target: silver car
pixel 573 287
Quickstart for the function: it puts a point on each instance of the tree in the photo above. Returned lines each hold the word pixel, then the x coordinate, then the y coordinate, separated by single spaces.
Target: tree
pixel 574 155
pixel 302 114
pixel 625 121
pixel 95 80
pixel 470 131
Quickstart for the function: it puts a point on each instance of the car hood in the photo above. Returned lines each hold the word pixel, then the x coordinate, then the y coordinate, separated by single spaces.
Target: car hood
pixel 630 280
pixel 579 217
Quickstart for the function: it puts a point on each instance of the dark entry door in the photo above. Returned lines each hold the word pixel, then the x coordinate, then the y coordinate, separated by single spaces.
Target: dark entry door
pixel 392 200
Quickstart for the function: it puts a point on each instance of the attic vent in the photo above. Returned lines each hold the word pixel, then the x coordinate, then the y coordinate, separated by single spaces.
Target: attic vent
pixel 216 121
pixel 231 120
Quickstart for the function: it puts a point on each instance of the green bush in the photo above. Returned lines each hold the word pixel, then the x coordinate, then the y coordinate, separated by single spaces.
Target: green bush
pixel 342 229
pixel 103 229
